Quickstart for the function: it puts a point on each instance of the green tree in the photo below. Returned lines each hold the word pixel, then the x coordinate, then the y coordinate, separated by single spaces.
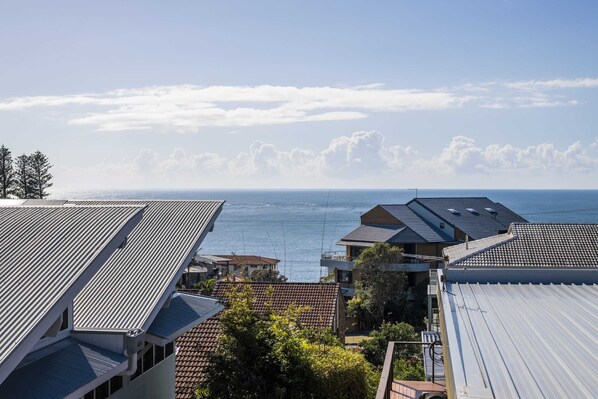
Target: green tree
pixel 206 286
pixel 268 356
pixel 7 175
pixel 23 178
pixel 267 276
pixel 408 358
pixel 382 290
pixel 40 174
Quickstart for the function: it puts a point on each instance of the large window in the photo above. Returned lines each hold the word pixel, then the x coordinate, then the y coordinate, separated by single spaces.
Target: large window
pixel 344 276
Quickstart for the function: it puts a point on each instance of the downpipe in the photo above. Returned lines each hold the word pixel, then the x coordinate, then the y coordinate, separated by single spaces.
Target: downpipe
pixel 133 342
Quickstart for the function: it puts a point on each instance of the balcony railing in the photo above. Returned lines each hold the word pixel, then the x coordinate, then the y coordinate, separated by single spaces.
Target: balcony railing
pixel 342 256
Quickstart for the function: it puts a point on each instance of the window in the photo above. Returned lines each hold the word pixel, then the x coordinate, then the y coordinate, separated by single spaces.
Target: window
pixel 473 211
pixel 441 225
pixel 116 383
pixel 65 320
pixel 169 349
pixel 345 276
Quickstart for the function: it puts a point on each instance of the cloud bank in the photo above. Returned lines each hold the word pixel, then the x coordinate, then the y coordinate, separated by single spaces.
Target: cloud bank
pixel 189 108
pixel 360 160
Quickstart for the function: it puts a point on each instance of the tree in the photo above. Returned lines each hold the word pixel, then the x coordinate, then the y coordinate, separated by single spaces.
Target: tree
pixel 206 286
pixel 7 175
pixel 23 178
pixel 408 363
pixel 268 356
pixel 40 174
pixel 382 290
pixel 267 276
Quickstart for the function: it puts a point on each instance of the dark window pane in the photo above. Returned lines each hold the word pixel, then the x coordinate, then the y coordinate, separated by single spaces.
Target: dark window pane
pixel 169 349
pixel 116 383
pixel 148 359
pixel 65 320
pixel 102 391
pixel 159 353
pixel 88 395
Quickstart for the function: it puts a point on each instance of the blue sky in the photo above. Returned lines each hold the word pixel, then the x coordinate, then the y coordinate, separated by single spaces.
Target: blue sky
pixel 353 94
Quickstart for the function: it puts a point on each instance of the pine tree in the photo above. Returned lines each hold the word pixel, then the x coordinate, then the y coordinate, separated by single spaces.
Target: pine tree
pixel 40 174
pixel 24 178
pixel 7 174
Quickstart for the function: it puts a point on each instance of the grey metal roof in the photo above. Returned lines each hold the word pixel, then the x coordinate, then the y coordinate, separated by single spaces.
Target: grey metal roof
pixel 129 290
pixel 47 254
pixel 411 219
pixel 183 313
pixel 531 245
pixel 377 233
pixel 61 370
pixel 522 340
pixel 479 225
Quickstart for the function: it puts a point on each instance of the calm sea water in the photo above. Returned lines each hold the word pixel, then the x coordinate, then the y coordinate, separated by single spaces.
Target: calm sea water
pixel 295 226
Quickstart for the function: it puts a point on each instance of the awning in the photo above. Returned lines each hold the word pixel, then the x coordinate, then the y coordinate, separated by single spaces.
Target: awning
pixel 67 368
pixel 184 313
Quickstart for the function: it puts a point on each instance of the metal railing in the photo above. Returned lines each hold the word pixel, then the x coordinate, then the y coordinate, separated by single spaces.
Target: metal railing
pixel 342 256
pixel 387 377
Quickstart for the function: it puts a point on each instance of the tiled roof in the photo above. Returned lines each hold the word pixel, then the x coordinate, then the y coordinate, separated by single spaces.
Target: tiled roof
pixel 411 219
pixel 197 344
pixel 377 233
pixel 521 340
pixel 531 245
pixel 479 224
pixel 319 299
pixel 192 358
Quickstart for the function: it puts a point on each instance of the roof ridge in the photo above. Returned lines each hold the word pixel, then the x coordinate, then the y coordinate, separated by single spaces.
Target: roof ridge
pixel 483 249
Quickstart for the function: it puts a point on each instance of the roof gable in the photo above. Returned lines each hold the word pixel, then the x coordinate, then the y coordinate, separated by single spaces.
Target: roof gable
pixel 419 226
pixel 65 246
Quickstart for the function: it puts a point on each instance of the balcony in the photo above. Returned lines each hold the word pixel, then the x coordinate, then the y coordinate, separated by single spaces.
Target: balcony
pixel 340 261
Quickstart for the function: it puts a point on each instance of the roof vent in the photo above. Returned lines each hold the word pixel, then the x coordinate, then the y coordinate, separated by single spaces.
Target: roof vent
pixel 492 211
pixel 473 211
pixel 453 211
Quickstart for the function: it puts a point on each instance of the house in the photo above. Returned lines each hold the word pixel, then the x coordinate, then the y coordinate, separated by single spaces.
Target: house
pixel 422 228
pixel 236 265
pixel 518 313
pixel 325 308
pixel 88 302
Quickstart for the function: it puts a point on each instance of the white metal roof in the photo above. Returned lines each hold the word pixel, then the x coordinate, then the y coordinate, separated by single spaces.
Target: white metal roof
pixel 132 286
pixel 47 254
pixel 521 340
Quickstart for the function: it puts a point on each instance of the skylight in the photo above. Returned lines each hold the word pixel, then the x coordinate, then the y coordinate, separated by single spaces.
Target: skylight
pixel 453 211
pixel 473 211
pixel 492 211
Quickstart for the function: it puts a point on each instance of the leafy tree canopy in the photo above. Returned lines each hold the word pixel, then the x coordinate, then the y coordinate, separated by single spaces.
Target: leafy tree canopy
pixel 269 356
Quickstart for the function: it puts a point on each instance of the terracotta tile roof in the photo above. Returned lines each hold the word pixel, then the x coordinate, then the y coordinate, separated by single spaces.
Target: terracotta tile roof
pixel 319 299
pixel 195 346
pixel 194 349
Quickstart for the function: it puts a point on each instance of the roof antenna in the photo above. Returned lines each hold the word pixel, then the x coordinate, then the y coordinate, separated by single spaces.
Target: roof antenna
pixel 466 241
pixel 414 189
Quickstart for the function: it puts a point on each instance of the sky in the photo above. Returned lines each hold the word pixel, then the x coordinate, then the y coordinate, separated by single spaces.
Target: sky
pixel 305 94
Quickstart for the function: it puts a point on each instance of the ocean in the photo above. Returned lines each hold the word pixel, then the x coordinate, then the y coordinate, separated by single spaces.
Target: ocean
pixel 296 226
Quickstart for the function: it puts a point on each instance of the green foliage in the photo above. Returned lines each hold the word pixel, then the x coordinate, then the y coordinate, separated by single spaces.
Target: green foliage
pixel 411 369
pixel 382 290
pixel 269 356
pixel 374 349
pixel 40 174
pixel 267 276
pixel 7 174
pixel 28 176
pixel 206 286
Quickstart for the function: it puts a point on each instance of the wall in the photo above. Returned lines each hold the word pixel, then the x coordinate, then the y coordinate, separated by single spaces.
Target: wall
pixel 156 383
pixel 377 215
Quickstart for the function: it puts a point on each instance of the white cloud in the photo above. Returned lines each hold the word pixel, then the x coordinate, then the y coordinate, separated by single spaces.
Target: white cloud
pixel 189 107
pixel 362 159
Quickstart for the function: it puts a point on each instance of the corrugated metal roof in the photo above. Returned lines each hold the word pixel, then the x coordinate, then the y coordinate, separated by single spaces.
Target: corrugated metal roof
pixel 47 254
pixel 531 245
pixel 475 225
pixel 404 214
pixel 182 314
pixel 130 288
pixel 61 369
pixel 522 340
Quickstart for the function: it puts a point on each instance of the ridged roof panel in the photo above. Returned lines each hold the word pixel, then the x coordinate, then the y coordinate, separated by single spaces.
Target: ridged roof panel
pixel 127 290
pixel 522 340
pixel 45 253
